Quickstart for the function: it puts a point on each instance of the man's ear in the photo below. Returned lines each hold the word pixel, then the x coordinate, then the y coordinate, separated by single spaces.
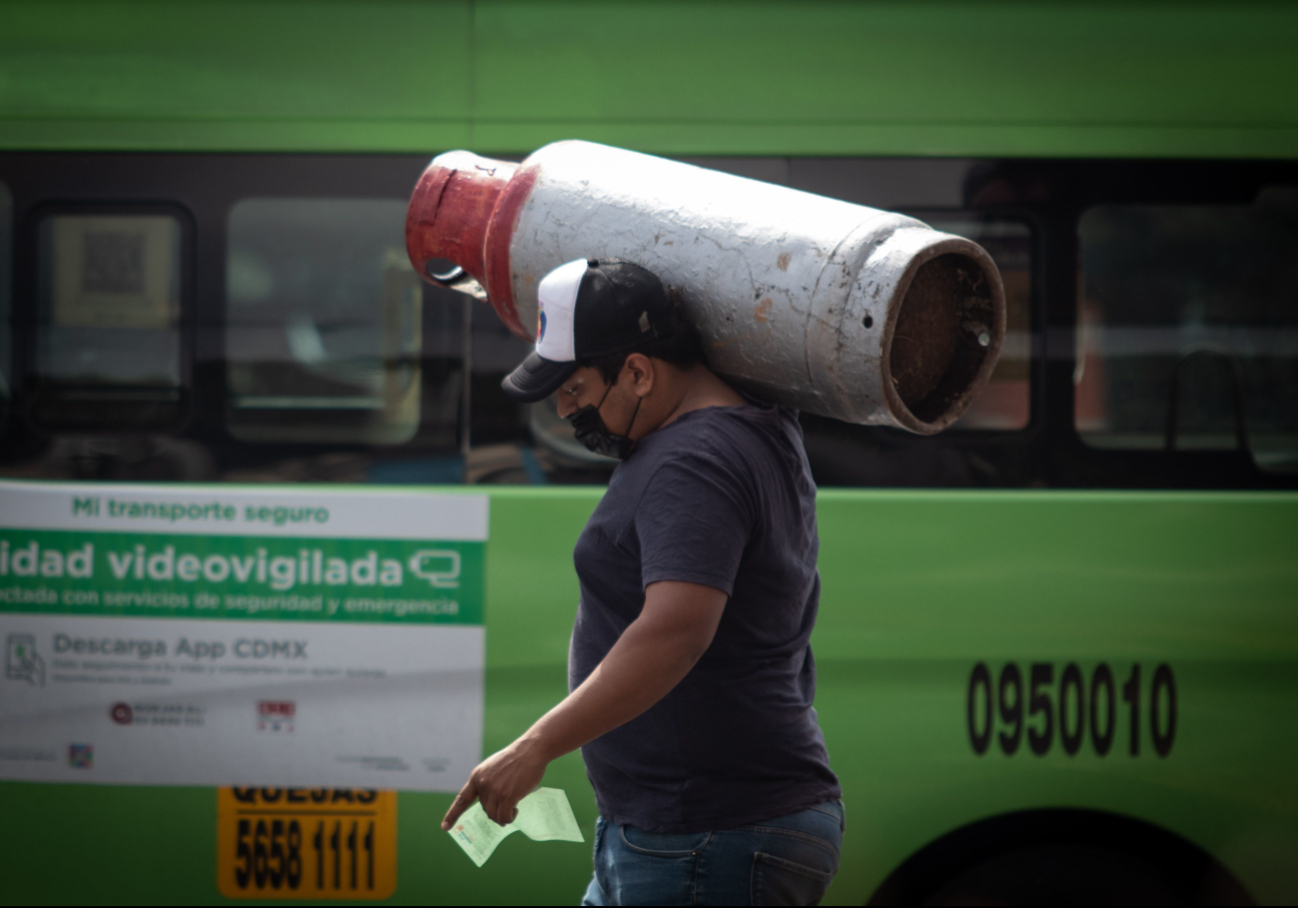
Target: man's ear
pixel 641 368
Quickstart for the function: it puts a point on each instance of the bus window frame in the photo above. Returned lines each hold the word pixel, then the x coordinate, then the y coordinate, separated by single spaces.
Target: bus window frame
pixel 1079 186
pixel 221 331
pixel 1174 401
pixel 29 320
pixel 1048 194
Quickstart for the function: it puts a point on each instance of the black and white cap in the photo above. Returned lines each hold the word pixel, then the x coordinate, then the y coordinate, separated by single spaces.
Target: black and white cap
pixel 585 308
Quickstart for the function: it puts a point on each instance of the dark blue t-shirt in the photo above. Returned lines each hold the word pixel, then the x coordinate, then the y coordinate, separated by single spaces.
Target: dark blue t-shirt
pixel 721 497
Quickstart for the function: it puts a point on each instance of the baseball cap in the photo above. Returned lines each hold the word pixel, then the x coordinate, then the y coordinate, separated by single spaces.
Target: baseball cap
pixel 585 308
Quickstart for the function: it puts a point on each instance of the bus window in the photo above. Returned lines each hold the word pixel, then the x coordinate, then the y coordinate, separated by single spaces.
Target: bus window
pixel 324 322
pixel 1004 403
pixel 108 348
pixel 6 306
pixel 1188 328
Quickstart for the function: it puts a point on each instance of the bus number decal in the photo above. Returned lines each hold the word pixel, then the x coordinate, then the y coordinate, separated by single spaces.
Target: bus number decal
pixel 1031 706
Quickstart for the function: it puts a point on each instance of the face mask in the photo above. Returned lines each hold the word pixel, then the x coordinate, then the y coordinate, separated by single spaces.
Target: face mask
pixel 590 430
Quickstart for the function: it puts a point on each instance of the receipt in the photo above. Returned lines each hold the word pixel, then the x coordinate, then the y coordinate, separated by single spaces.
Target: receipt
pixel 543 816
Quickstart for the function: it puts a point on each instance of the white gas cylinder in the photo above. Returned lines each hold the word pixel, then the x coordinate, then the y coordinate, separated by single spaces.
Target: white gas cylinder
pixel 833 308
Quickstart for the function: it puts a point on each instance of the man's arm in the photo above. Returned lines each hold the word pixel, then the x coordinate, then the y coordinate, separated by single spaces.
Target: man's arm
pixel 654 653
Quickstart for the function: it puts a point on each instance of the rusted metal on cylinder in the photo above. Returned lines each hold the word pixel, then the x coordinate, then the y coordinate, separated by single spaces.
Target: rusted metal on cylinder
pixel 451 208
pixel 834 308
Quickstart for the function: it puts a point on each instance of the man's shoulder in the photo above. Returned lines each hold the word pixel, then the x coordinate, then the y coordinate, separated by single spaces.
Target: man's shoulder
pixel 747 430
pixel 724 442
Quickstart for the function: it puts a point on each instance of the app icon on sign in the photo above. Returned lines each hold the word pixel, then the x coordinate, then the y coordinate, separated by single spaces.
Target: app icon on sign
pixel 122 713
pixel 441 568
pixel 81 756
pixel 22 663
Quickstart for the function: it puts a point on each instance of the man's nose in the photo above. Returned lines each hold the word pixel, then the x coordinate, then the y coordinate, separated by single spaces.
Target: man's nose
pixel 565 405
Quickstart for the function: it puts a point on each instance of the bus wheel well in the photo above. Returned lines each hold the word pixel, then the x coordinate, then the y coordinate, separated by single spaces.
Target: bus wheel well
pixel 1045 855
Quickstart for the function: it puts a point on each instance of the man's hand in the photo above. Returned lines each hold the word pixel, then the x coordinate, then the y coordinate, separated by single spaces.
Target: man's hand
pixel 654 653
pixel 500 782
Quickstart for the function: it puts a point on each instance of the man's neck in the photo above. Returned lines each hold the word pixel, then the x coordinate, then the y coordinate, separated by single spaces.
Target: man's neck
pixel 702 388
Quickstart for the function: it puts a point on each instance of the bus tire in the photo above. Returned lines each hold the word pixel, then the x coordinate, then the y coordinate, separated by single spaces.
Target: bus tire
pixel 1061 856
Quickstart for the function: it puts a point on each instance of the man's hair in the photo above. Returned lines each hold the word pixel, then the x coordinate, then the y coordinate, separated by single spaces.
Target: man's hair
pixel 682 348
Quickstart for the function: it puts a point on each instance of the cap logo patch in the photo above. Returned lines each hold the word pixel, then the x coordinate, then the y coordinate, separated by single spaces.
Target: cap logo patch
pixel 556 304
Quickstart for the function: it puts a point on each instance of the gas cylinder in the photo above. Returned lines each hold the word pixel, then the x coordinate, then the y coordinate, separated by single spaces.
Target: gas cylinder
pixel 833 308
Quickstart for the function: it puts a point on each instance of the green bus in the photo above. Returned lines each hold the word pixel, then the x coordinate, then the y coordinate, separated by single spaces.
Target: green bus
pixel 1057 644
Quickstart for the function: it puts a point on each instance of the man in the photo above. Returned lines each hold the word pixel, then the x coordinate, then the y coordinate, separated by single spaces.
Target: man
pixel 690 671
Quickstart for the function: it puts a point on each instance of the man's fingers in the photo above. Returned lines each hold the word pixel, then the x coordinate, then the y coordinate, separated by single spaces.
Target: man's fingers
pixel 492 807
pixel 463 801
pixel 489 800
pixel 503 810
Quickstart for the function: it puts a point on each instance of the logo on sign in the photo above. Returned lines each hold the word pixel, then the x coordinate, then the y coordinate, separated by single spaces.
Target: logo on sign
pixel 122 713
pixel 81 756
pixel 275 715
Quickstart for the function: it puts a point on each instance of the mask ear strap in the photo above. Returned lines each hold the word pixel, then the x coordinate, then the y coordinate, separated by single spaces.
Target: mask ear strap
pixel 599 406
pixel 639 401
pixel 634 413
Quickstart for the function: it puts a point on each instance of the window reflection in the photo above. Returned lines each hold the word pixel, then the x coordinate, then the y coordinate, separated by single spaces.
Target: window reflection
pixel 108 337
pixel 324 322
pixel 1188 328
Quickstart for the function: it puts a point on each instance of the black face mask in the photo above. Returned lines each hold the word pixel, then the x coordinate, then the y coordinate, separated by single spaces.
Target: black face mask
pixel 590 430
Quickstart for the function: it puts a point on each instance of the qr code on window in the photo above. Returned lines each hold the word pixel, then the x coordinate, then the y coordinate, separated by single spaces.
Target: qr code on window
pixel 113 262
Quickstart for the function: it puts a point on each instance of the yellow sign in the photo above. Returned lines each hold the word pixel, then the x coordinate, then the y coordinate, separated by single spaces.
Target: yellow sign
pixel 306 843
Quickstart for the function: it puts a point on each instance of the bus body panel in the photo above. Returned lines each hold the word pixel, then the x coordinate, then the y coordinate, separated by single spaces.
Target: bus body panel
pixel 918 587
pixel 1068 79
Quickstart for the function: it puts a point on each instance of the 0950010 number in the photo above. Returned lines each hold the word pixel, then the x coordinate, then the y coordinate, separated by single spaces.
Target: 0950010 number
pixel 1073 706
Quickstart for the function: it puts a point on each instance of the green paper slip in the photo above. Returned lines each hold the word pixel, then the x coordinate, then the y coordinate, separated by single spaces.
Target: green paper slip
pixel 543 816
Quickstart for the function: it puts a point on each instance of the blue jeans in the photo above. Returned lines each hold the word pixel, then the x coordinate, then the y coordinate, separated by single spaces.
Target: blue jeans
pixel 784 861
